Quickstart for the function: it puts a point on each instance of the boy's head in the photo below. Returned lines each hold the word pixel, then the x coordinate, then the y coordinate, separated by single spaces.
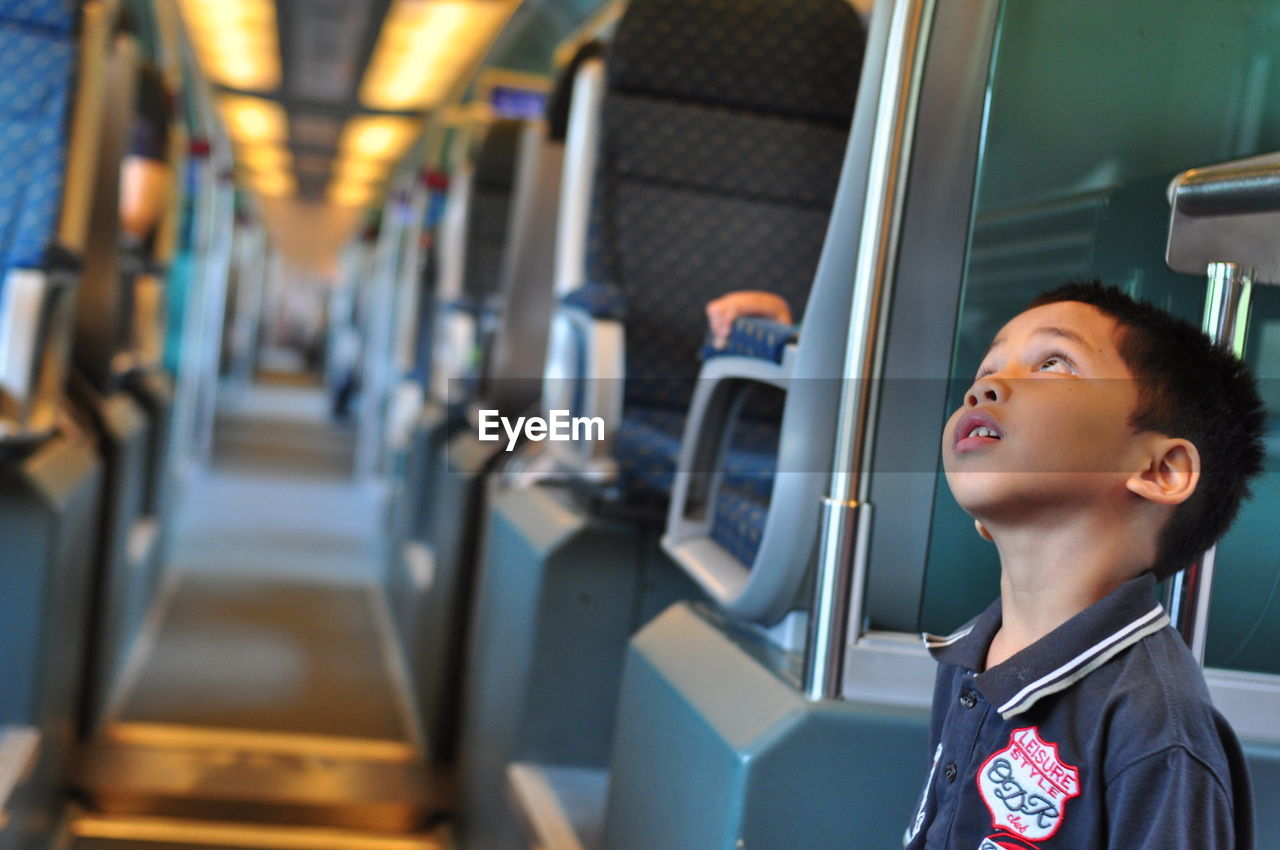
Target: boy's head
pixel 1181 427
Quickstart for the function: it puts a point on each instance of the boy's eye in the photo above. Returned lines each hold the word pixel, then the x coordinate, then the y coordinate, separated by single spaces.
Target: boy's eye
pixel 1055 363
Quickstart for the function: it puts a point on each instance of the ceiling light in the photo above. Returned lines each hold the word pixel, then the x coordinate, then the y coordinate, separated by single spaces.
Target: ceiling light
pixel 273 184
pixel 260 157
pixel 253 120
pixel 357 170
pixel 236 41
pixel 426 46
pixel 351 193
pixel 379 137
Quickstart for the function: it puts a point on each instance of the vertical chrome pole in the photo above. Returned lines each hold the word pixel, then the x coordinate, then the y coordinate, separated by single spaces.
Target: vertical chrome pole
pixel 845 509
pixel 1226 316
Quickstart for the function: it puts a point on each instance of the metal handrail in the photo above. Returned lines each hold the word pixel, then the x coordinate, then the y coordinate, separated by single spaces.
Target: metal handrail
pixel 845 510
pixel 1232 189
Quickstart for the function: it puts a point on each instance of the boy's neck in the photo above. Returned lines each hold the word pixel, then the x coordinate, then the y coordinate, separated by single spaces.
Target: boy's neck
pixel 1050 572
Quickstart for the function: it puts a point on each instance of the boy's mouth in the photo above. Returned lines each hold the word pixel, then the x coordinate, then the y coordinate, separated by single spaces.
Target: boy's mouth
pixel 975 430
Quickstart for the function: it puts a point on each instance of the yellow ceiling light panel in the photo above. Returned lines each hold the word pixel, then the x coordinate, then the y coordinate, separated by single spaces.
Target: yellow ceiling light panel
pixel 254 120
pixel 424 48
pixel 352 193
pixel 377 137
pixel 261 157
pixel 236 41
pixel 276 184
pixel 359 170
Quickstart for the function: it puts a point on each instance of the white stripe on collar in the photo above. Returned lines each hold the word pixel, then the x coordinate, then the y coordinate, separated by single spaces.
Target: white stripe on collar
pixel 935 642
pixel 1086 662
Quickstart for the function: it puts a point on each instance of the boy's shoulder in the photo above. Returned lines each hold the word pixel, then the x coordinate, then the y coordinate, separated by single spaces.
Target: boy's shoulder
pixel 1115 685
pixel 1154 699
pixel 1104 726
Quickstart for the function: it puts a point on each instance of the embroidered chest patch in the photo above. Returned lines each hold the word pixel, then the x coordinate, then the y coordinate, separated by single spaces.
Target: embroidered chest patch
pixel 1026 786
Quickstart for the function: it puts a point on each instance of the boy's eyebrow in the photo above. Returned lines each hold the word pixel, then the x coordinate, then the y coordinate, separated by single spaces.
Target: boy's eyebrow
pixel 1048 330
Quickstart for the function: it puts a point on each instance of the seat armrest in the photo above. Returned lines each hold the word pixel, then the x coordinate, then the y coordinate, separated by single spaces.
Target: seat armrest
pixel 586 368
pixel 19 750
pixel 758 338
pixel 765 590
pixel 691 513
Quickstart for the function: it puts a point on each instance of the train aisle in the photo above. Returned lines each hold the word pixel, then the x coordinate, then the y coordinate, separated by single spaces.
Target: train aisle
pixel 264 706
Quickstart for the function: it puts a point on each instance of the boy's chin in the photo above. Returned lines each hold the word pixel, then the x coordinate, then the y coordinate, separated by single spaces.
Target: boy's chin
pixel 994 499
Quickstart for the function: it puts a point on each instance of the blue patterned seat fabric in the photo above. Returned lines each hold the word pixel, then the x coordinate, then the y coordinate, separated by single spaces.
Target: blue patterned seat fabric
pixel 647 447
pixel 599 300
pixel 37 63
pixel 724 129
pixel 762 339
pixel 739 523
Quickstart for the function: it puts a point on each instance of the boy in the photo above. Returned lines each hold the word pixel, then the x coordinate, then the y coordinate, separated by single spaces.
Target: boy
pixel 1103 446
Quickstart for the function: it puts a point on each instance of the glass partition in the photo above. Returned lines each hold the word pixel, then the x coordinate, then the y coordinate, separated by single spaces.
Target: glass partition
pixel 1089 109
pixel 1244 611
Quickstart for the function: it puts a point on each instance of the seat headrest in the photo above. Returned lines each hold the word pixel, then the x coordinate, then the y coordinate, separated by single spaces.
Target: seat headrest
pixel 793 58
pixel 54 16
pixel 562 95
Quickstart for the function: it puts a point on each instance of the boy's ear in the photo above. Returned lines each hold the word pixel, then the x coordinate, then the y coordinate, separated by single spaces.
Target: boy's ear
pixel 1171 475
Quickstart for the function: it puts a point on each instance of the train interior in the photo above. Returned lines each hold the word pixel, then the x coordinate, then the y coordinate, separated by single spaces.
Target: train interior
pixel 368 478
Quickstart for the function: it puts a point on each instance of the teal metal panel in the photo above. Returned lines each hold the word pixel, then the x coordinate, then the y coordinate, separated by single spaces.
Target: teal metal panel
pixel 560 592
pixel 713 751
pixel 455 509
pixel 122 587
pixel 49 502
pixel 1264 769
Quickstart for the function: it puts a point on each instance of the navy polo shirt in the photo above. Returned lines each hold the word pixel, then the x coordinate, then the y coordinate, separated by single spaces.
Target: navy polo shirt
pixel 1099 735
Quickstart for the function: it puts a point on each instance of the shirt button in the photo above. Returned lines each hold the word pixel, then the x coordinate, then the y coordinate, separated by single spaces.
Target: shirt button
pixel 950 772
pixel 967 699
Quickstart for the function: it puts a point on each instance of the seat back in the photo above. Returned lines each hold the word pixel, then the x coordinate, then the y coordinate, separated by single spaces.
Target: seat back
pixel 473 236
pixel 41 198
pixel 104 304
pixel 724 129
pixel 37 66
pixel 513 371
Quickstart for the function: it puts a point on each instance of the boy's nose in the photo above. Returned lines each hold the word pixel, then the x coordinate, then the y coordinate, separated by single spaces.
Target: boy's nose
pixel 985 390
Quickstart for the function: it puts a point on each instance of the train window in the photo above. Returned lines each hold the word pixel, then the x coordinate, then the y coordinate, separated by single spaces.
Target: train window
pixel 1072 155
pixel 1244 610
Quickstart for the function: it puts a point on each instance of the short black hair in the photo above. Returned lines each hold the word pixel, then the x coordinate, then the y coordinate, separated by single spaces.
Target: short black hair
pixel 1191 388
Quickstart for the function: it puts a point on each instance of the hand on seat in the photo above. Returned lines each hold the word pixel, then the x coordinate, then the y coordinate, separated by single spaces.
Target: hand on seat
pixel 725 310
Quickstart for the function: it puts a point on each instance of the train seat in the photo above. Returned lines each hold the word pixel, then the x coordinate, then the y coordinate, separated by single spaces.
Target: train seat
pixel 742 523
pixel 708 181
pixel 721 135
pixel 36 72
pixel 475 239
pixel 429 528
pixel 51 63
pixel 495 340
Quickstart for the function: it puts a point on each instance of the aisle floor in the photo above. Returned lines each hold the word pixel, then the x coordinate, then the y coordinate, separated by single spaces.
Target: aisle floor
pixel 266 698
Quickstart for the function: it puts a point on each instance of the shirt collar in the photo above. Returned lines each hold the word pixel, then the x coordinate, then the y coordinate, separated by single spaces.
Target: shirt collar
pixel 1061 658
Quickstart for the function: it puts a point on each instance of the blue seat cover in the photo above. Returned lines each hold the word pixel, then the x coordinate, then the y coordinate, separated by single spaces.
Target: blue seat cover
pixel 37 59
pixel 647 449
pixel 739 523
pixel 598 300
pixel 52 15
